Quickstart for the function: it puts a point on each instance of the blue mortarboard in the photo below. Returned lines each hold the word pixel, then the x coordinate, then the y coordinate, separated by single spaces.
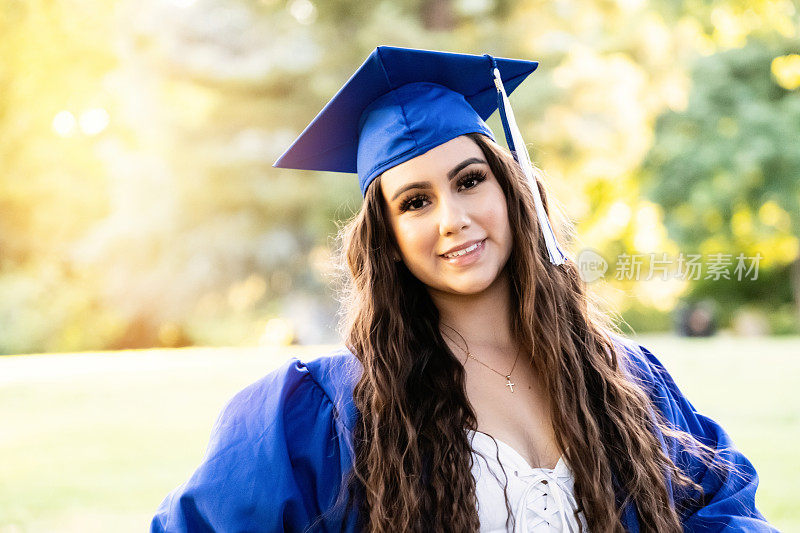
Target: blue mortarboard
pixel 403 102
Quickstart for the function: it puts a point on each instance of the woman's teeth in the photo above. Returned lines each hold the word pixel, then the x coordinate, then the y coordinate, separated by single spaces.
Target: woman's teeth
pixel 462 252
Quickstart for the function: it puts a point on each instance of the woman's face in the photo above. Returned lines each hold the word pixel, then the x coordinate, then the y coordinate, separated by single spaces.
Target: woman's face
pixel 449 217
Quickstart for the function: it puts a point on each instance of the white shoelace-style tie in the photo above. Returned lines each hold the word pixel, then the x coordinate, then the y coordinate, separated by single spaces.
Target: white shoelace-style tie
pixel 546 500
pixel 541 500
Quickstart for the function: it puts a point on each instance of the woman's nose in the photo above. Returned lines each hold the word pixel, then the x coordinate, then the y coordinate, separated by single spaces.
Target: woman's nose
pixel 453 217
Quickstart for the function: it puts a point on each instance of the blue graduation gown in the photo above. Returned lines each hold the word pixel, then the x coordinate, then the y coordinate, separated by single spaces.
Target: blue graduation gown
pixel 280 448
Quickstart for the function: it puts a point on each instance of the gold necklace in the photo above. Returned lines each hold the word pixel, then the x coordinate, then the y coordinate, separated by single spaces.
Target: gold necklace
pixel 509 383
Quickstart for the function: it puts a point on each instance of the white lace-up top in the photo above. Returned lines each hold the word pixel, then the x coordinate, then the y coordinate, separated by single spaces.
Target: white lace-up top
pixel 541 499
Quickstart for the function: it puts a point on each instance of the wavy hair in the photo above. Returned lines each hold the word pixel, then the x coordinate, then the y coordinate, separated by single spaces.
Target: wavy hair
pixel 413 460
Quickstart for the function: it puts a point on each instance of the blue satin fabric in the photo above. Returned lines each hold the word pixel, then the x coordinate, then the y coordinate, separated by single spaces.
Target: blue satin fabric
pixel 400 103
pixel 281 447
pixel 408 122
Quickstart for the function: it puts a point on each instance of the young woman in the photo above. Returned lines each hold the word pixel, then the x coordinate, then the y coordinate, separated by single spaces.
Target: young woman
pixel 479 390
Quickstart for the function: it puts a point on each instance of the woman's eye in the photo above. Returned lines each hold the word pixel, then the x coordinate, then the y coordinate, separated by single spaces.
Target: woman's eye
pixel 468 181
pixel 471 180
pixel 412 204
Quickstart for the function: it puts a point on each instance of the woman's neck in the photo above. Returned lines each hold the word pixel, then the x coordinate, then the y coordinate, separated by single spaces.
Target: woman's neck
pixel 484 319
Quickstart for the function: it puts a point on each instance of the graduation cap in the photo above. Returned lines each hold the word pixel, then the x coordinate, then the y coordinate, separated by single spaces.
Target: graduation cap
pixel 403 102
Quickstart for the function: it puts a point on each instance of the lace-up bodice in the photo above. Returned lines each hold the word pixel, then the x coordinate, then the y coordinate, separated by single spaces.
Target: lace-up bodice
pixel 541 499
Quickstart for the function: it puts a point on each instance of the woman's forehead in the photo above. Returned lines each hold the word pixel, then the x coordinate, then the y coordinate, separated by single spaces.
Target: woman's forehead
pixel 434 164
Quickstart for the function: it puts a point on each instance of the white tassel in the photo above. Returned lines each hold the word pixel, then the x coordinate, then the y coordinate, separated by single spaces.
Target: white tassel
pixel 557 257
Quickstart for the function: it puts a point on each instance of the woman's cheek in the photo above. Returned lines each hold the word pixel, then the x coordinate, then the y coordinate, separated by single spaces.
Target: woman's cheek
pixel 409 240
pixel 491 219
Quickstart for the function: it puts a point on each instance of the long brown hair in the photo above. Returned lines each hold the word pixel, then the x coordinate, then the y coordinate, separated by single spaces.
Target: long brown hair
pixel 412 455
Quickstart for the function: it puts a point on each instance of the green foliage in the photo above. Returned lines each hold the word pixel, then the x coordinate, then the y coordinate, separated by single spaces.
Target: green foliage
pixel 48 309
pixel 783 320
pixel 772 288
pixel 639 319
pixel 155 223
pixel 734 147
pixel 726 170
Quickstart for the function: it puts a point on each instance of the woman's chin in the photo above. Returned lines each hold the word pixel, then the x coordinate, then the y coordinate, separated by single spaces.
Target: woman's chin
pixel 469 281
pixel 466 285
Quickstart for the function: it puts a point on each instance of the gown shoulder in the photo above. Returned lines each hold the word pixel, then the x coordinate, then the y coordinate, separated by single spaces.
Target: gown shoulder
pixel 729 480
pixel 277 455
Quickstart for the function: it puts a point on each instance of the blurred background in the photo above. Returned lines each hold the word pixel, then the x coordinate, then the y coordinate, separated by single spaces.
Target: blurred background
pixel 139 210
pixel 138 206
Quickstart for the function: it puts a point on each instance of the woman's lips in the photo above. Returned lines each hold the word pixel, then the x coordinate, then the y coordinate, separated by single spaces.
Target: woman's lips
pixel 469 257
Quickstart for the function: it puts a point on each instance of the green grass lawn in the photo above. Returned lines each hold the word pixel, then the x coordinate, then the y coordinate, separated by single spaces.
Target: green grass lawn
pixel 93 442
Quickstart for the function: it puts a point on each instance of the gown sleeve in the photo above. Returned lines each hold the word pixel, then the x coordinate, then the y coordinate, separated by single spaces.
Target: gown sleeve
pixel 274 462
pixel 728 500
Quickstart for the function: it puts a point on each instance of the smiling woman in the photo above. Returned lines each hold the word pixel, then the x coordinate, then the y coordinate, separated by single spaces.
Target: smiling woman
pixel 479 389
pixel 455 219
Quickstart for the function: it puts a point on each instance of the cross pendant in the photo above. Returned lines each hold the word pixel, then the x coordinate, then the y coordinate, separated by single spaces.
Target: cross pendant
pixel 509 384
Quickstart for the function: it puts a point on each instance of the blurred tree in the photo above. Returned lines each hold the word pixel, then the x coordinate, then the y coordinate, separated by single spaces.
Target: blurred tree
pixel 137 196
pixel 727 168
pixel 204 98
pixel 52 185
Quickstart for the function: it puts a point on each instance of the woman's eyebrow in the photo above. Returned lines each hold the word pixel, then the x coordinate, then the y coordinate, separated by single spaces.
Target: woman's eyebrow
pixel 467 162
pixel 450 175
pixel 415 185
